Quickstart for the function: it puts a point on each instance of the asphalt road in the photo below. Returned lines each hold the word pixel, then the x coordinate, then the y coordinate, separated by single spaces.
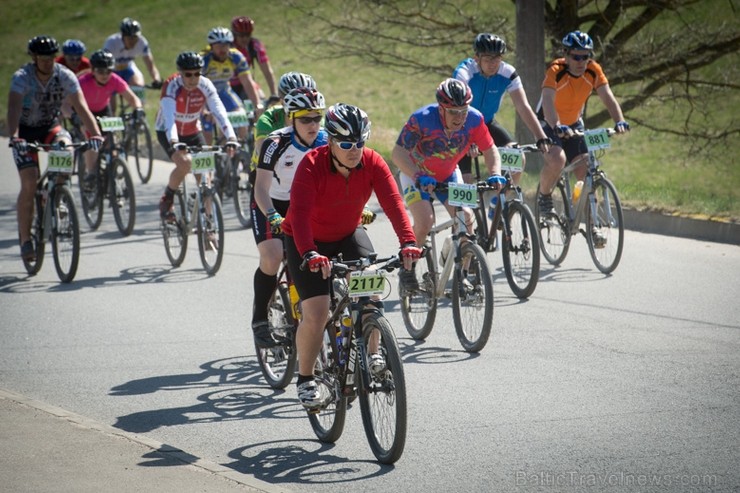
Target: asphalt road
pixel 626 382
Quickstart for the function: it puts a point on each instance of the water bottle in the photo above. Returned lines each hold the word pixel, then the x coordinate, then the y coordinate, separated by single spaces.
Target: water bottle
pixel 577 191
pixel 492 207
pixel 294 301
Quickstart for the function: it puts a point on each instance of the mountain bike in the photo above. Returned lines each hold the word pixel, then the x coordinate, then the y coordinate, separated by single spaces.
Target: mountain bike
pixel 597 203
pixel 137 137
pixel 199 212
pixel 472 285
pixel 113 180
pixel 520 246
pixel 283 314
pixel 55 213
pixel 232 174
pixel 342 368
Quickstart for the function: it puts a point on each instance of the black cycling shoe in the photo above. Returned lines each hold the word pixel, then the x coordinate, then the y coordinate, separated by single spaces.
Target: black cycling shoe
pixel 262 334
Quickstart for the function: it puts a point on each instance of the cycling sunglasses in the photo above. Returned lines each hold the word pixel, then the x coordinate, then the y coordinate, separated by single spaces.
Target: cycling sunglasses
pixel 310 119
pixel 351 145
pixel 579 58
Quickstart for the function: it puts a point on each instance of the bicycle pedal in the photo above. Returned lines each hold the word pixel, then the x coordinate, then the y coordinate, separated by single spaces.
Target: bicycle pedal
pixel 312 410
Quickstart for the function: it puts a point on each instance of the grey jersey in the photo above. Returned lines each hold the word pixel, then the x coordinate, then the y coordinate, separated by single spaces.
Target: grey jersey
pixel 42 102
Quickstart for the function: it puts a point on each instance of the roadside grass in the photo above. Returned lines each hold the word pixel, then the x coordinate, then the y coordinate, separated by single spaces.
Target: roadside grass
pixel 651 171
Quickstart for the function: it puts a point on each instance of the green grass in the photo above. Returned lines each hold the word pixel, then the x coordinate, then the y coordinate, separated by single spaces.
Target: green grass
pixel 653 171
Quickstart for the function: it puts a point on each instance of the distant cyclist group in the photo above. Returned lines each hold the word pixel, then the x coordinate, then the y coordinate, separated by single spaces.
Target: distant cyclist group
pixel 312 172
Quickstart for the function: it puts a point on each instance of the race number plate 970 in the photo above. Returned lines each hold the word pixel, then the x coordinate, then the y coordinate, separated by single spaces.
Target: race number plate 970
pixel 203 162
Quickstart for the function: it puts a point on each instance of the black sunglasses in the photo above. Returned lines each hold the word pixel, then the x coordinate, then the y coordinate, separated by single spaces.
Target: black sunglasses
pixel 310 119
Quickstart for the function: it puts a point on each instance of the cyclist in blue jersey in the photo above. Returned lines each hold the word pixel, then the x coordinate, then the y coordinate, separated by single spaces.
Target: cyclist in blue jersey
pixel 489 77
pixel 428 149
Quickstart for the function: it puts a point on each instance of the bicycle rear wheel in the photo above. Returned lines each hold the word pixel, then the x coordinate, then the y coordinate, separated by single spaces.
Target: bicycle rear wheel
pixel 278 363
pixel 242 189
pixel 521 251
pixel 122 197
pixel 211 234
pixel 554 230
pixel 65 234
pixel 383 403
pixel 419 308
pixel 175 233
pixel 37 237
pixel 92 201
pixel 605 218
pixel 472 298
pixel 142 151
pixel 328 421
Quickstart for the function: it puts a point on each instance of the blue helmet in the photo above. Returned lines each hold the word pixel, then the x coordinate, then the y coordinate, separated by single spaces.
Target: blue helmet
pixel 73 47
pixel 578 41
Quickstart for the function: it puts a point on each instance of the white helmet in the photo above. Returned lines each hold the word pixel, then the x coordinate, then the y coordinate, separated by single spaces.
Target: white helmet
pixel 220 35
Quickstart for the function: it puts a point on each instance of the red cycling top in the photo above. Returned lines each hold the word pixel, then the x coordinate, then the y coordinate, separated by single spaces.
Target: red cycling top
pixel 326 207
pixel 84 64
pixel 180 110
pixel 98 96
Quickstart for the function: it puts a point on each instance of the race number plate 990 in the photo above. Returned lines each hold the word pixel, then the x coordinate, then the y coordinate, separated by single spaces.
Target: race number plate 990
pixel 462 195
pixel 366 283
pixel 203 162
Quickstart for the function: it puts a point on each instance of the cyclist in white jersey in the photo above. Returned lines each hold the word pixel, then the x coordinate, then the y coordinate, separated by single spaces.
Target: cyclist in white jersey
pixel 126 46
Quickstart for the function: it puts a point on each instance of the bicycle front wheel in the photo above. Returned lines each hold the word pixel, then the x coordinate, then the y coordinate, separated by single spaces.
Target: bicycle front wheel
pixel 472 298
pixel 419 308
pixel 211 234
pixel 37 237
pixel 122 196
pixel 143 153
pixel 521 250
pixel 328 421
pixel 242 189
pixel 383 402
pixel 175 233
pixel 605 226
pixel 65 234
pixel 554 230
pixel 278 363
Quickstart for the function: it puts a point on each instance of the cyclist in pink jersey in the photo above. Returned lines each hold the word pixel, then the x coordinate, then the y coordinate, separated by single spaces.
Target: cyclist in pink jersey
pixel 98 87
pixel 185 95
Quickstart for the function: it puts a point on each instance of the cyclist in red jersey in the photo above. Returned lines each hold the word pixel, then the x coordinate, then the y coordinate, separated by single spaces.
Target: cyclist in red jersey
pixel 568 84
pixel 72 57
pixel 254 51
pixel 330 189
pixel 185 95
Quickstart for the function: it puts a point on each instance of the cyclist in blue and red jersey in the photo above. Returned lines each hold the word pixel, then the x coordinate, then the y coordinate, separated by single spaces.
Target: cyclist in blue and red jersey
pixel 254 51
pixel 428 149
pixel 220 63
pixel 73 57
pixel 490 78
pixel 330 189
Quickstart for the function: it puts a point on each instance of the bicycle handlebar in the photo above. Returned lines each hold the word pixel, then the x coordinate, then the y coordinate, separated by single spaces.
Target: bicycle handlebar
pixel 340 267
pixel 38 146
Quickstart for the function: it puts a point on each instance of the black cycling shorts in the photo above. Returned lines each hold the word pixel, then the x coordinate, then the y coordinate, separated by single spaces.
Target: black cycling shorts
pixel 310 284
pixel 190 140
pixel 260 227
pixel 500 138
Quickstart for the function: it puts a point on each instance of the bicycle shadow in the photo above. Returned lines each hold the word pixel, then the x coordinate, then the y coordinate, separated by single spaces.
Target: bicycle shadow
pixel 572 275
pixel 236 392
pixel 303 462
pixel 134 275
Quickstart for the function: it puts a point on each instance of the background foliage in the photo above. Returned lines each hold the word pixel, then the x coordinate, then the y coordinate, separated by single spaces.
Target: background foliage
pixel 652 167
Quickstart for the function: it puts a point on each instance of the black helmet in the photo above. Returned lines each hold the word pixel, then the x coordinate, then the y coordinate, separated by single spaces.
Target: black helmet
pixel 454 92
pixel 578 41
pixel 130 27
pixel 489 43
pixel 189 60
pixel 43 45
pixel 347 123
pixel 294 80
pixel 102 59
